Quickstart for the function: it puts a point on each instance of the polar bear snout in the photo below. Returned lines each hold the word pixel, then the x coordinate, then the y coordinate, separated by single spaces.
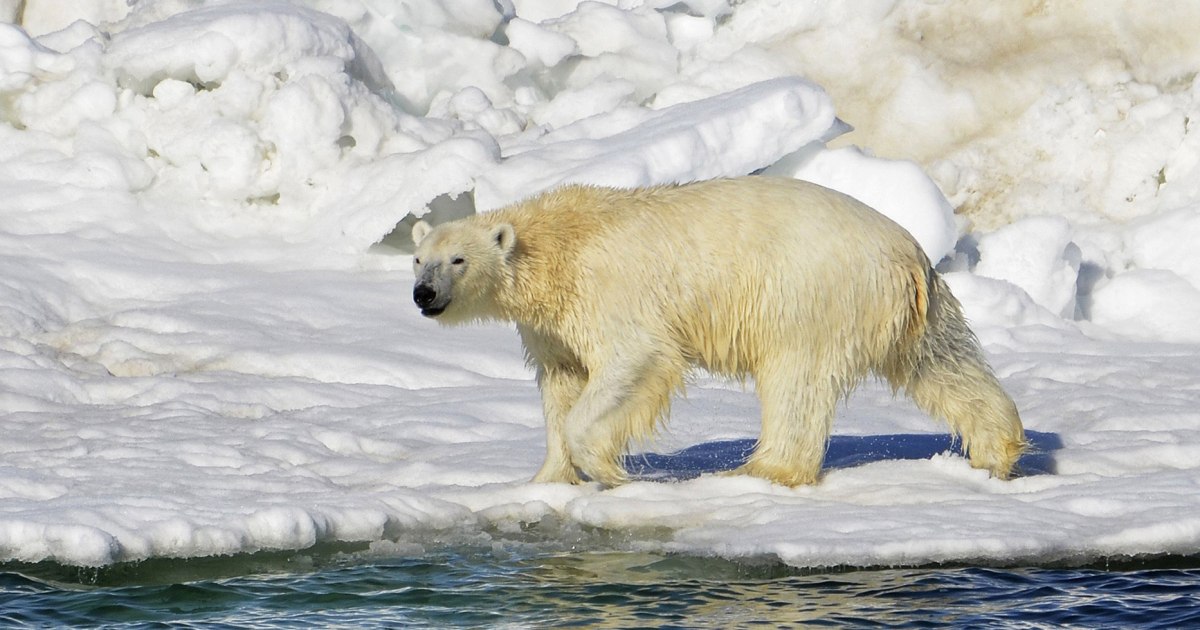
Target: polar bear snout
pixel 424 295
pixel 427 298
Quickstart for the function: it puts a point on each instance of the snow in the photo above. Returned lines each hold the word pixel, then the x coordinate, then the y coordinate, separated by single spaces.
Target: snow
pixel 1037 255
pixel 738 132
pixel 897 188
pixel 207 344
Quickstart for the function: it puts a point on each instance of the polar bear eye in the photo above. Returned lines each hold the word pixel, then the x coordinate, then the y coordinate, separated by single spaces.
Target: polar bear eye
pixel 458 261
pixel 417 261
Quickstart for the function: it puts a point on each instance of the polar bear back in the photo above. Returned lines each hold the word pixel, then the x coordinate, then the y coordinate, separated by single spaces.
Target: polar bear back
pixel 724 271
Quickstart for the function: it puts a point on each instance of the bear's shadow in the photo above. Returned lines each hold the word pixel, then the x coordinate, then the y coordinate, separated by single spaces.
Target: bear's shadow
pixel 845 451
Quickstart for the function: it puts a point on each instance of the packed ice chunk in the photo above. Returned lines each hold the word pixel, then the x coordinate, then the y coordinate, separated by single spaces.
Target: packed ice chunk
pixel 731 134
pixel 898 189
pixel 1037 255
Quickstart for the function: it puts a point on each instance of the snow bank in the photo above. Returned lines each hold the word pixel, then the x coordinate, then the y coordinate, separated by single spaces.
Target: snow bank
pixel 739 132
pixel 281 113
pixel 897 188
pixel 1037 255
pixel 200 352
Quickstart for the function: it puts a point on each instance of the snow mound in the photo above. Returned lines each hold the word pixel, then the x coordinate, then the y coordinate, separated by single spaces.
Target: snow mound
pixel 735 133
pixel 896 188
pixel 1037 255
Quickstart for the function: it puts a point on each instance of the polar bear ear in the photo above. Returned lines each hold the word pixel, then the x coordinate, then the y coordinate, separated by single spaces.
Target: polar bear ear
pixel 420 230
pixel 505 237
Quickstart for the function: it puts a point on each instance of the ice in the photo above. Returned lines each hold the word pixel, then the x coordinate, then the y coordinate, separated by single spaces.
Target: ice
pixel 1148 304
pixel 203 351
pixel 897 188
pixel 539 44
pixel 736 133
pixel 1165 242
pixel 1037 255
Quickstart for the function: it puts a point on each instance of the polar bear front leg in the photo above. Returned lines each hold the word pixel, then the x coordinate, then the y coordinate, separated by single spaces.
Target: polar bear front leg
pixel 620 403
pixel 560 389
pixel 592 431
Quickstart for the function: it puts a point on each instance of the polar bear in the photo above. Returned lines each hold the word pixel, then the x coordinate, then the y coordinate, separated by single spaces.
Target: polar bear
pixel 617 293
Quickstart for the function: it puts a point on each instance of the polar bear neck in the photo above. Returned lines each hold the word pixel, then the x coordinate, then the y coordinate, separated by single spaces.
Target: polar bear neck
pixel 541 286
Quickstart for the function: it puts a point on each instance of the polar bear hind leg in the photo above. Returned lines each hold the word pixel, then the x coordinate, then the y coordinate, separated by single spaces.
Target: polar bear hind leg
pixel 797 418
pixel 946 375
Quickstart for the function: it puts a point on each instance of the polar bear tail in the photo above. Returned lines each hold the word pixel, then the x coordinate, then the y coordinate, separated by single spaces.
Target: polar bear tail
pixel 946 374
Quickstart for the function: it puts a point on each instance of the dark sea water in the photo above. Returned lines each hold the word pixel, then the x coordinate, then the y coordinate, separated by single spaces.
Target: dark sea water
pixel 493 587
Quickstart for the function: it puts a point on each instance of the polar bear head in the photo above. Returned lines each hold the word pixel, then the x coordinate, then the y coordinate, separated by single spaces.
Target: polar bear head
pixel 459 266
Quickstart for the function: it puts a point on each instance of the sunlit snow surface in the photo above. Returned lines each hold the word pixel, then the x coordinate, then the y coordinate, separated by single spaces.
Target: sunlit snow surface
pixel 201 354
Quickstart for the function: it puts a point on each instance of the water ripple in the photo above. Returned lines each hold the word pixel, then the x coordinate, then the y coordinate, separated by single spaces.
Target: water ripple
pixel 489 588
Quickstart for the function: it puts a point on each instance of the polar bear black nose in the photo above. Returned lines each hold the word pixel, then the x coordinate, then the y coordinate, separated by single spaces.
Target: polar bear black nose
pixel 423 295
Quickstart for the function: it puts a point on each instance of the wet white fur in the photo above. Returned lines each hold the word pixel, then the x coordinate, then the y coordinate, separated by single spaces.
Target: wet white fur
pixel 618 293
